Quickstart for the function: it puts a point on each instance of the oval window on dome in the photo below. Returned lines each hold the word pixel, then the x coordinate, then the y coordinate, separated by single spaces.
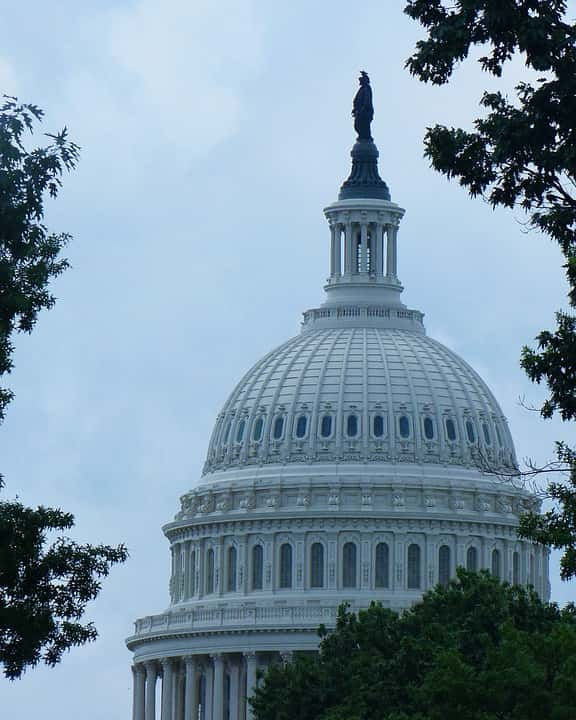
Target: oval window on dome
pixel 352 425
pixel 450 429
pixel 470 431
pixel 278 429
pixel 378 426
pixel 301 426
pixel 428 428
pixel 258 429
pixel 326 426
pixel 240 430
pixel 404 426
pixel 486 432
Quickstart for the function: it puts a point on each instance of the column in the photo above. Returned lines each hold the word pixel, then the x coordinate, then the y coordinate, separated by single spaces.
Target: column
pixel 363 264
pixel 151 675
pixel 391 269
pixel 251 668
pixel 167 682
pixel 191 689
pixel 209 690
pixel 178 693
pixel 139 699
pixel 348 249
pixel 377 250
pixel 218 704
pixel 234 669
pixel 337 233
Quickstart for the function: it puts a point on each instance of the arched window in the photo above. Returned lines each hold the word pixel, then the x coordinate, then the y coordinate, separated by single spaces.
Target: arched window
pixel 444 565
pixel 413 567
pixel 404 426
pixel 352 425
pixel 227 432
pixel 301 426
pixel 192 578
pixel 516 568
pixel 210 571
pixel 286 565
pixel 317 565
pixel 257 567
pixel 382 566
pixel 472 559
pixel 231 569
pixel 428 428
pixel 349 565
pixel 278 428
pixel 496 563
pixel 486 432
pixel 326 426
pixel 258 429
pixel 240 430
pixel 378 426
pixel 470 431
pixel 450 429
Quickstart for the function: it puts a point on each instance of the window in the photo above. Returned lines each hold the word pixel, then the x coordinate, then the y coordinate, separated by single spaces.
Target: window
pixel 317 565
pixel 352 425
pixel 496 563
pixel 486 433
pixel 258 428
pixel 382 566
pixel 349 565
pixel 498 436
pixel 516 568
pixel 404 426
pixel 257 567
pixel 444 565
pixel 470 431
pixel 428 428
pixel 450 429
pixel 227 432
pixel 301 426
pixel 210 571
pixel 472 559
pixel 192 578
pixel 278 429
pixel 286 565
pixel 413 567
pixel 378 426
pixel 326 426
pixel 240 430
pixel 231 569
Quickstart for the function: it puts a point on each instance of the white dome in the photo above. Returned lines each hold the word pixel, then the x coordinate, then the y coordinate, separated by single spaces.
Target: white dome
pixel 360 394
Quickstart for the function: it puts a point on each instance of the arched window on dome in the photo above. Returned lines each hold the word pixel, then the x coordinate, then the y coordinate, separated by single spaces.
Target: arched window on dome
pixel 258 429
pixel 444 565
pixel 240 430
pixel 326 426
pixel 470 431
pixel 450 429
pixel 382 566
pixel 349 565
pixel 285 565
pixel 301 426
pixel 317 565
pixel 404 426
pixel 278 428
pixel 352 425
pixel 496 564
pixel 414 572
pixel 257 567
pixel 231 566
pixel 227 432
pixel 209 571
pixel 516 568
pixel 378 426
pixel 192 577
pixel 428 428
pixel 472 559
pixel 486 433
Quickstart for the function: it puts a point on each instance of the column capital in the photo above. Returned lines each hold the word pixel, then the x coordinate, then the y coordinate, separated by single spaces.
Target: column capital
pixel 217 657
pixel 190 659
pixel 151 665
pixel 138 667
pixel 287 656
pixel 251 655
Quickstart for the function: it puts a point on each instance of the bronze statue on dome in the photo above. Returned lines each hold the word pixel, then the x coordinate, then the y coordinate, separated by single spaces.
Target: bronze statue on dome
pixel 362 109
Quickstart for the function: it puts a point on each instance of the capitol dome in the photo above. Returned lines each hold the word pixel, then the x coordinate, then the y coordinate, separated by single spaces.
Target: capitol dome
pixel 359 461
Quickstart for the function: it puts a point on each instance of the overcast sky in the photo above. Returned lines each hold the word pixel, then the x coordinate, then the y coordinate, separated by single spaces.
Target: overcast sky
pixel 213 133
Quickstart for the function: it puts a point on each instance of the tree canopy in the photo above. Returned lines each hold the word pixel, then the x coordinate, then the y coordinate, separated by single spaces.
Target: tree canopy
pixel 476 649
pixel 521 153
pixel 44 586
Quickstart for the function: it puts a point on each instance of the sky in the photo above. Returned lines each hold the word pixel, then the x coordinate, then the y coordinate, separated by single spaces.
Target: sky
pixel 213 133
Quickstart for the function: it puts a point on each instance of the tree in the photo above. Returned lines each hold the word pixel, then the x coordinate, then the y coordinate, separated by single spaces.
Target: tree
pixel 477 649
pixel 44 587
pixel 521 153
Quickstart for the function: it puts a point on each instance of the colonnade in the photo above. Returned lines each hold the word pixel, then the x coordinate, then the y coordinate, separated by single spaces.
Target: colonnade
pixel 198 687
pixel 364 249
